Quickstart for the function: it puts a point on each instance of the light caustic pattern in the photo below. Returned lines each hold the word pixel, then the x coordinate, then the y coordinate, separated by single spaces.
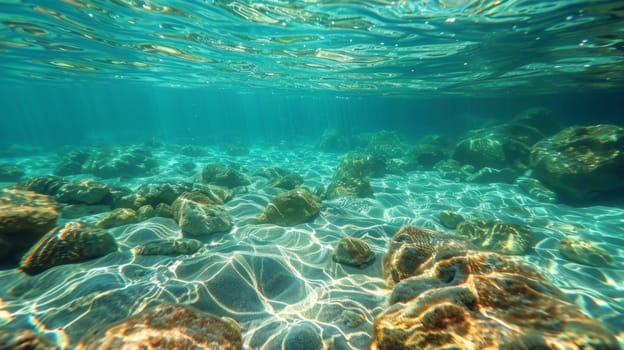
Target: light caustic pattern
pixel 281 284
pixel 387 47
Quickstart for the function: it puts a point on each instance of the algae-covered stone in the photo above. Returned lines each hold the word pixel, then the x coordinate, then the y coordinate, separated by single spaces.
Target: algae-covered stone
pixel 71 243
pixel 198 215
pixel 160 192
pixel 169 247
pixel 428 152
pixel 360 165
pixel 118 217
pixel 42 184
pixel 333 141
pixel 83 192
pixel 74 211
pixel 450 219
pixel 223 175
pixel 132 161
pixel 581 162
pixel 353 251
pixel 501 237
pixel 584 252
pixel 25 217
pixel 288 182
pixel 387 144
pixel 291 208
pixel 350 186
pixel 72 162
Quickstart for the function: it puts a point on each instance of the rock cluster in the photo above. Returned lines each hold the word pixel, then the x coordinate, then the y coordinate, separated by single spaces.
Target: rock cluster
pixel 448 295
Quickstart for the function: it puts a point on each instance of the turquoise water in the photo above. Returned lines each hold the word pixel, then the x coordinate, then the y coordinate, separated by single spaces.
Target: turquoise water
pixel 167 88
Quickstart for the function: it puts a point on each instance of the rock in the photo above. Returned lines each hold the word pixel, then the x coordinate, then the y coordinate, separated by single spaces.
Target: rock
pixel 481 148
pixel 504 238
pixel 163 210
pixel 163 192
pixel 218 194
pixel 448 296
pixel 429 151
pixel 303 337
pixel 584 252
pixel 490 175
pixel 413 246
pixel 288 182
pixel 291 208
pixel 10 173
pixel 145 212
pixel 83 192
pixel 121 162
pixel 167 326
pixel 539 118
pixel 353 251
pixel 352 319
pixel 453 170
pixel 71 243
pixel 332 141
pixel 223 175
pixel 360 165
pixel 25 217
pixel 386 144
pixel 198 215
pixel 537 190
pixel 48 185
pixel 72 162
pixel 118 217
pixel 74 211
pixel 581 162
pixel 170 247
pixel 450 219
pixel 25 339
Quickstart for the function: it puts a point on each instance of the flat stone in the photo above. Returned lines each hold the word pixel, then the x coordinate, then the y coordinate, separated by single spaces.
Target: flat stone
pixel 353 251
pixel 118 217
pixel 170 247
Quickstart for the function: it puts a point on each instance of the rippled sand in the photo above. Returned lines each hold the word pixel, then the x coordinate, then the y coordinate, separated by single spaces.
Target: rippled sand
pixel 280 283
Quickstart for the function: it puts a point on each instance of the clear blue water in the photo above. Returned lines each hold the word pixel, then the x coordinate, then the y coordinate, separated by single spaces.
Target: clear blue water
pixel 273 76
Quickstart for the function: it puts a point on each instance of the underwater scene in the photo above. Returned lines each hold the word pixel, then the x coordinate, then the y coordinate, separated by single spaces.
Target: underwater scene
pixel 311 174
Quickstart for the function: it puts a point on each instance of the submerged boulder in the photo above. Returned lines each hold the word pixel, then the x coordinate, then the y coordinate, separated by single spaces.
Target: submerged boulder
pixel 48 185
pixel 167 326
pixel 132 161
pixel 429 151
pixel 72 163
pixel 25 217
pixel 581 162
pixel 353 251
pixel 386 144
pixel 446 295
pixel 223 175
pixel 291 208
pixel 333 141
pixel 197 214
pixel 360 165
pixel 71 243
pixel 84 192
pixel 349 186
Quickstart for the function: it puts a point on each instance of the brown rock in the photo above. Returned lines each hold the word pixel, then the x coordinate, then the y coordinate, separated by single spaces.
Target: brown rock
pixel 25 216
pixel 291 208
pixel 71 243
pixel 452 297
pixel 167 327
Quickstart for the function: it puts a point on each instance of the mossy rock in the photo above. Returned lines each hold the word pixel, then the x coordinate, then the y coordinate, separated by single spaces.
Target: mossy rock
pixel 291 208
